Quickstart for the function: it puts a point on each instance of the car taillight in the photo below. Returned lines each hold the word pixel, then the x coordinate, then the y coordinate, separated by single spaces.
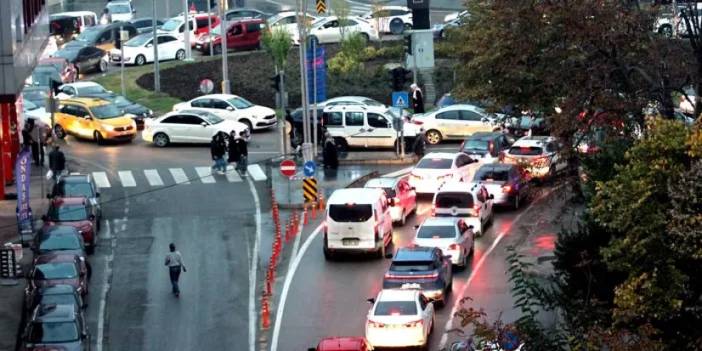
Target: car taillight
pixel 419 323
pixel 506 189
pixel 432 275
pixel 373 324
pixel 453 247
pixel 433 211
pixel 419 123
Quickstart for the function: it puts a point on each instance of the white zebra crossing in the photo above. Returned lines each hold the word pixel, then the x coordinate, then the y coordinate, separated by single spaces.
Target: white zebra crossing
pixel 178 176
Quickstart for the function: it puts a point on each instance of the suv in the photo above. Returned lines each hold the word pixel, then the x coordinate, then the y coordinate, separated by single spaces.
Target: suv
pixel 93 118
pixel 364 126
pixel 421 268
pixel 56 327
pixel 471 202
pixel 538 155
pixel 78 185
pixel 486 147
pixel 243 34
pixel 76 212
pixel 390 19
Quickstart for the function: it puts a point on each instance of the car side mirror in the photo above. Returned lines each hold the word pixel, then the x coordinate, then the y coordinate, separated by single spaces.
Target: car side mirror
pixel 371 300
pixel 204 124
pixel 149 45
pixel 491 196
pixel 229 108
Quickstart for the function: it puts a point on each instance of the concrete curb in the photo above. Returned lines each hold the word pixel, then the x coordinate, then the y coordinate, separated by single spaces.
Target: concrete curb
pixel 353 184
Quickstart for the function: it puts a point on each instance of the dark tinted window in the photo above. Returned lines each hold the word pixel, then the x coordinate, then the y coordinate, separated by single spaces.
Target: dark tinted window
pixel 486 174
pixel 253 27
pixel 165 39
pixel 68 213
pixel 377 121
pixel 436 232
pixel 193 120
pixel 172 120
pixel 350 212
pixel 412 266
pixel 201 103
pixel 525 151
pixel 332 119
pixel 450 115
pixel 64 299
pixel 401 308
pixel 54 332
pixel 435 163
pixel 354 118
pixel 448 200
pixel 470 116
pixel 202 23
pixel 219 104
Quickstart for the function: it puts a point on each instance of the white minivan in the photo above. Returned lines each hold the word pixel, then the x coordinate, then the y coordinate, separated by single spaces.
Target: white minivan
pixel 358 221
pixel 470 201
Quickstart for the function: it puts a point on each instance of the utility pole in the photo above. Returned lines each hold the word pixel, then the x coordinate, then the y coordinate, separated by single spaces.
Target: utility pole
pixel 122 38
pixel 223 34
pixel 157 69
pixel 303 81
pixel 209 24
pixel 186 33
pixel 314 99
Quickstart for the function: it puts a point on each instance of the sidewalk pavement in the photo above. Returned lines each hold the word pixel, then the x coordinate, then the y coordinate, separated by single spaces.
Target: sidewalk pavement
pixel 12 296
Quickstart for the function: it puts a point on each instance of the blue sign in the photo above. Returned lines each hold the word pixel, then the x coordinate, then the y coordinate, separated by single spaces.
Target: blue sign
pixel 316 66
pixel 22 173
pixel 400 99
pixel 310 167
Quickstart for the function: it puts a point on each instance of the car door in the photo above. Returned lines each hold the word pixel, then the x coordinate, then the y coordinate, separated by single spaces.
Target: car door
pixel 235 36
pixel 197 130
pixel 203 103
pixel 472 122
pixel 252 37
pixel 84 121
pixel 355 128
pixel 67 117
pixel 424 308
pixel 174 128
pixel 83 60
pixel 94 55
pixel 382 134
pixel 167 47
pixel 329 32
pixel 449 124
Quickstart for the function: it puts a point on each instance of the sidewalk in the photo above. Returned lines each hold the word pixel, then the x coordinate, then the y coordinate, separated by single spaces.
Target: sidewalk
pixel 12 296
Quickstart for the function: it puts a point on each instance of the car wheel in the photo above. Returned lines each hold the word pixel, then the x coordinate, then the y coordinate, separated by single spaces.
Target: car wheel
pixel 248 124
pixel 102 66
pixel 327 253
pixel 90 249
pixel 434 137
pixel 89 270
pixel 161 140
pixel 60 133
pixel 403 219
pixel 98 138
pixel 217 49
pixel 341 144
pixel 666 31
pixel 140 60
pixel 180 55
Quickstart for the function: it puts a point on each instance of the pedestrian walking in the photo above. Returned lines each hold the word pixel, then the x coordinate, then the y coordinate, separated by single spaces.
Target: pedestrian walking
pixel 57 163
pixel 174 262
pixel 30 136
pixel 242 150
pixel 218 147
pixel 417 98
pixel 420 143
pixel 330 154
pixel 106 17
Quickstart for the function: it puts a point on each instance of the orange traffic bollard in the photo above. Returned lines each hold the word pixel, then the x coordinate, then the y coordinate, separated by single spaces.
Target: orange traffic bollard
pixel 265 313
pixel 314 211
pixel 321 201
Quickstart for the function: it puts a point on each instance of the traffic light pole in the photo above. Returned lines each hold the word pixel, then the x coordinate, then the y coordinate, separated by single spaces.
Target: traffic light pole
pixel 157 68
pixel 314 105
pixel 225 64
pixel 303 81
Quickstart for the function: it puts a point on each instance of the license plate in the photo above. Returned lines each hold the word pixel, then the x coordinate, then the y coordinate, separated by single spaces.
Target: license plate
pixel 197 46
pixel 411 286
pixel 350 242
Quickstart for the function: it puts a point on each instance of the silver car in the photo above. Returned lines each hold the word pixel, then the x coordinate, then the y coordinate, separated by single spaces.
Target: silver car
pixel 450 234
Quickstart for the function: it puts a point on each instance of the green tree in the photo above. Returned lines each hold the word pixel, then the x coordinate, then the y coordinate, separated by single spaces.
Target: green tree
pixel 342 11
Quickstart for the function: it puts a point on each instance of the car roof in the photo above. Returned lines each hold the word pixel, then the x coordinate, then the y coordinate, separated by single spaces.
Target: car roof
pixel 383 182
pixel 69 201
pixel 341 343
pixel 55 313
pixel 413 253
pixel 60 230
pixel 74 13
pixel 533 141
pixel 440 221
pixel 218 96
pixel 397 295
pixel 447 155
pixel 484 135
pixel 56 257
pixel 355 195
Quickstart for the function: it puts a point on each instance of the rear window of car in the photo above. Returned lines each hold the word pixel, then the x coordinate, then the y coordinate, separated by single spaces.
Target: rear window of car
pixel 436 232
pixel 448 199
pixel 68 213
pixel 492 174
pixel 62 270
pixel 412 266
pixel 60 242
pixel 396 308
pixel 75 190
pixel 53 332
pixel 62 299
pixel 435 163
pixel 350 212
pixel 525 150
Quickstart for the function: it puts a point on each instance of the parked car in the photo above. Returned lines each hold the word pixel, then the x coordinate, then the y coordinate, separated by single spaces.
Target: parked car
pixel 242 34
pixel 287 21
pixel 78 213
pixel 390 19
pixel 32 111
pixel 199 25
pixel 471 202
pixel 78 185
pixel 435 168
pixel 345 343
pixel 140 50
pixel 365 126
pixel 233 107
pixel 400 318
pixel 58 268
pixel 505 182
pixel 146 24
pixel 81 89
pixel 60 294
pixel 61 238
pixel 84 58
pixel 539 156
pixel 452 235
pixel 72 22
pixel 486 147
pixel 328 30
pixel 56 327
pixel 66 69
pixel 104 36
pixel 190 126
pixel 441 30
pixel 43 75
pixel 120 11
pixel 402 199
pixel 243 13
pixel 36 94
pixel 455 122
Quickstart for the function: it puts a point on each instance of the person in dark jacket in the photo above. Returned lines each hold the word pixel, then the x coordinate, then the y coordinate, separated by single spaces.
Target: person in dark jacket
pixel 243 151
pixel 57 162
pixel 218 148
pixel 420 143
pixel 330 155
pixel 417 98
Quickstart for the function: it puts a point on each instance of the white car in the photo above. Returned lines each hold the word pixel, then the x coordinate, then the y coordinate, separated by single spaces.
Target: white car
pixel 453 15
pixel 455 122
pixel 470 201
pixel 364 126
pixel 387 18
pixel 288 21
pixel 121 11
pixel 139 50
pixel 399 318
pixel 32 111
pixel 329 30
pixel 176 26
pixel 538 155
pixel 189 126
pixel 233 107
pixel 77 89
pixel 452 235
pixel 401 197
pixel 435 168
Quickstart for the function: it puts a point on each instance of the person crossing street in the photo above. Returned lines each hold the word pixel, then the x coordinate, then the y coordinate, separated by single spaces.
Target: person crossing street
pixel 174 262
pixel 218 147
pixel 57 163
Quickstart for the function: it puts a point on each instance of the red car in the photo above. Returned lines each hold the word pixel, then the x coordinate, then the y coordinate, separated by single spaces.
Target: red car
pixel 343 343
pixel 77 212
pixel 58 268
pixel 242 34
pixel 68 71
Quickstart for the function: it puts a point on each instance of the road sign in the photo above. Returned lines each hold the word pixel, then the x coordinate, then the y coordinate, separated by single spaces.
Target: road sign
pixel 321 6
pixel 206 86
pixel 309 189
pixel 309 168
pixel 288 168
pixel 400 99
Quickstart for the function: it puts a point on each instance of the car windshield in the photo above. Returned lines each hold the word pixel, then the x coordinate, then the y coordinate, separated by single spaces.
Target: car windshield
pixel 106 111
pixel 476 145
pixel 448 200
pixel 240 103
pixel 139 40
pixel 75 190
pixel 60 270
pixel 211 118
pixel 68 213
pixel 29 106
pixel 411 266
pixel 350 212
pixel 435 163
pixel 490 174
pixel 60 242
pixel 119 8
pixel 69 54
pixel 436 232
pixel 172 24
pixel 120 101
pixel 89 35
pixel 58 299
pixel 525 150
pixel 43 75
pixel 91 90
pixel 396 308
pixel 53 332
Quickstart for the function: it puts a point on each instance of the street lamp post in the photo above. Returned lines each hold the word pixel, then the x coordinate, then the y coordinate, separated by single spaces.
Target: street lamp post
pixel 157 70
pixel 223 35
pixel 209 24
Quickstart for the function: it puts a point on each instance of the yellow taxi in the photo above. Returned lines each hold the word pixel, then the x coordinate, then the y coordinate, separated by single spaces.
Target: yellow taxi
pixel 93 118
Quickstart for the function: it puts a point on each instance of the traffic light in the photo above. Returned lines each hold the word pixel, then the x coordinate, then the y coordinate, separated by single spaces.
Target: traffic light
pixel 399 78
pixel 408 44
pixel 54 85
pixel 275 82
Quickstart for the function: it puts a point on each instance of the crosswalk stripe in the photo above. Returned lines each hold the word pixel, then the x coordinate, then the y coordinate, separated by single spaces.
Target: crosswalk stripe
pixel 232 175
pixel 152 177
pixel 205 174
pixel 179 175
pixel 256 172
pixel 101 179
pixel 126 178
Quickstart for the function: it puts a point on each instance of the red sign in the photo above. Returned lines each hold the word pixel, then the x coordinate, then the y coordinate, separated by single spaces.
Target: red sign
pixel 288 168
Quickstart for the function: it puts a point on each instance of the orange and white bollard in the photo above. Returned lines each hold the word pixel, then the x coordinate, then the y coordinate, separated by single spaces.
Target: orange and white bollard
pixel 265 313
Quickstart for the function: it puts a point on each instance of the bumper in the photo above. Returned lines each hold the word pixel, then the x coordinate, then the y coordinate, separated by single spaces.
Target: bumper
pixel 116 59
pixel 352 245
pixel 148 137
pixel 128 135
pixel 265 123
pixel 432 290
pixel 395 337
pixel 501 198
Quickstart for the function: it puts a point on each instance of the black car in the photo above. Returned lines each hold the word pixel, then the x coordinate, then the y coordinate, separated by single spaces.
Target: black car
pixel 84 58
pixel 57 327
pixel 296 116
pixel 146 24
pixel 242 13
pixel 58 294
pixel 104 35
pixel 423 268
pixel 139 111
pixel 486 145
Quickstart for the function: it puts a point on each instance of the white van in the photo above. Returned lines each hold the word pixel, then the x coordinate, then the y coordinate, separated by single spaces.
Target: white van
pixel 358 220
pixel 470 201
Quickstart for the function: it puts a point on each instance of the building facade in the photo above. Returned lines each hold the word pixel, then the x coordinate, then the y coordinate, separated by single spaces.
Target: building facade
pixel 24 30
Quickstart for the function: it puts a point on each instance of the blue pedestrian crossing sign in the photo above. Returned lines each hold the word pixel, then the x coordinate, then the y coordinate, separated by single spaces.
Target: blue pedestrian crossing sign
pixel 310 167
pixel 400 99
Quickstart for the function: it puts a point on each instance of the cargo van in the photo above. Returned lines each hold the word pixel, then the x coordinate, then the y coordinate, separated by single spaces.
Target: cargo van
pixel 358 221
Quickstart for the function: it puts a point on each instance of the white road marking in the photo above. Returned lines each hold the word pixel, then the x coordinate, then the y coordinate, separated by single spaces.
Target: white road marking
pixel 126 178
pixel 232 175
pixel 153 178
pixel 101 179
pixel 179 176
pixel 256 172
pixel 253 267
pixel 205 174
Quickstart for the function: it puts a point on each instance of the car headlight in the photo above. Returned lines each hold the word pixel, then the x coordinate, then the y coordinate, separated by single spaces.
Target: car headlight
pixel 151 113
pixel 109 127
